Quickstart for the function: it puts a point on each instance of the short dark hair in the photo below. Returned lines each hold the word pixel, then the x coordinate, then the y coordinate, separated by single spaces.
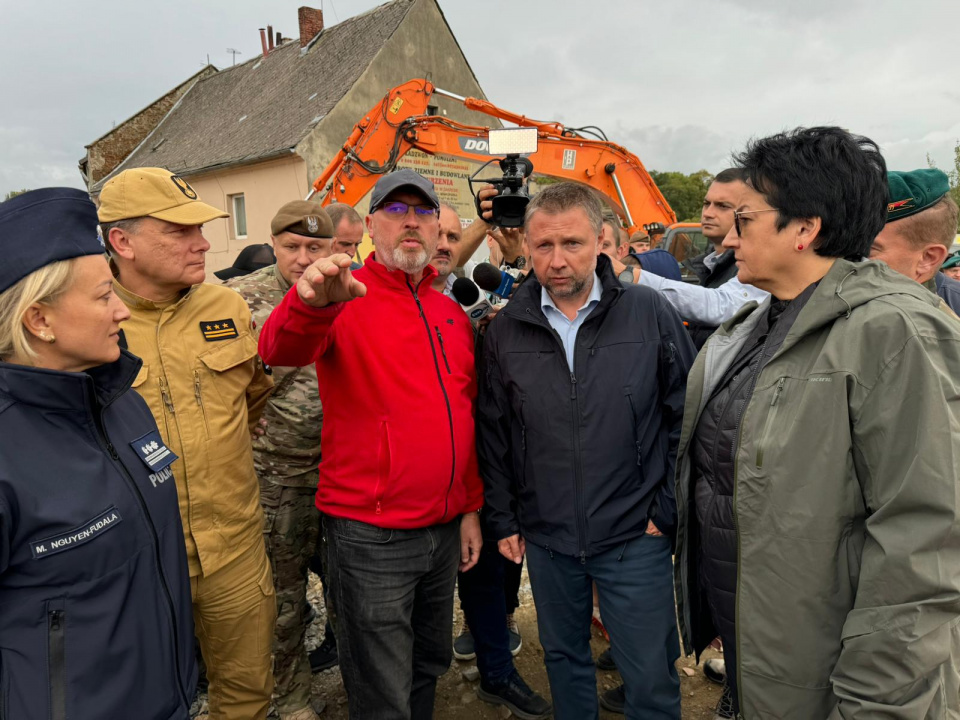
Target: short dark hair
pixel 823 172
pixel 130 225
pixel 730 175
pixel 342 211
pixel 563 196
pixel 614 224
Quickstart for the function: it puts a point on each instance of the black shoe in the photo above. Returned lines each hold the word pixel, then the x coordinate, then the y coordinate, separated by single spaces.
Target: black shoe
pixel 724 707
pixel 605 661
pixel 516 695
pixel 614 700
pixel 324 657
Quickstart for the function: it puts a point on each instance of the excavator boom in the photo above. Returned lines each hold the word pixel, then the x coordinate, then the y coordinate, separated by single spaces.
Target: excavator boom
pixel 399 123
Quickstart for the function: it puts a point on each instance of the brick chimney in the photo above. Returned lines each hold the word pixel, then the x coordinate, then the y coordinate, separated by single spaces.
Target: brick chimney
pixel 311 23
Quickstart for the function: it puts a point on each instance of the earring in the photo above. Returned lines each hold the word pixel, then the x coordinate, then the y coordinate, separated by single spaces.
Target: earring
pixel 48 338
pixel 799 247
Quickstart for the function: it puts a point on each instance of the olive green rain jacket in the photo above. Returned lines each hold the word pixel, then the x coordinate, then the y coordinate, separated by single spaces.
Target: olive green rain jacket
pixel 846 505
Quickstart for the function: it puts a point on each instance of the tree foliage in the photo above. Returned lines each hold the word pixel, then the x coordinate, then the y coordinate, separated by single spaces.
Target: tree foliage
pixel 953 175
pixel 685 193
pixel 14 193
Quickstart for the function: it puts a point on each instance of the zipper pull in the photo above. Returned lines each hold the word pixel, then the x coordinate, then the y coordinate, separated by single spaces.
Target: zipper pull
pixel 165 396
pixel 56 617
pixel 639 453
pixel 776 395
pixel 583 558
pixel 378 507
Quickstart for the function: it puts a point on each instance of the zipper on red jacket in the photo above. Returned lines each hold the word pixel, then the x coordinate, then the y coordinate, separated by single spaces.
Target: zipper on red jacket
pixel 443 389
pixel 443 350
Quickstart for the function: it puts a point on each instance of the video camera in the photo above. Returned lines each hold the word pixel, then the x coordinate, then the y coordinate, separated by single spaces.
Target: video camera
pixel 510 203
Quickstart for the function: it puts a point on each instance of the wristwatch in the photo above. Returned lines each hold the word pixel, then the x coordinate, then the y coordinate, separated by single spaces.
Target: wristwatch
pixel 519 264
pixel 626 276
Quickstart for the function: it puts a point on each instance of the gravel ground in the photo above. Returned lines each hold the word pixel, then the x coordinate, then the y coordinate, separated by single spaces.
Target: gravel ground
pixel 456 694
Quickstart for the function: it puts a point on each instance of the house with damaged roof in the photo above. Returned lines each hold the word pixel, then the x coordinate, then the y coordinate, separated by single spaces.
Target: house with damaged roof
pixel 254 136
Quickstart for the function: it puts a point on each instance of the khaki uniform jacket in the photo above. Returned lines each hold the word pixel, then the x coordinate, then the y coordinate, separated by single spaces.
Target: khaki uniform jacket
pixel 206 387
pixel 846 503
pixel 288 453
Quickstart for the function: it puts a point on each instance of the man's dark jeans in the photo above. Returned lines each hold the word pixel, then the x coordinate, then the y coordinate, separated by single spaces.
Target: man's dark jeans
pixel 635 585
pixel 393 596
pixel 487 593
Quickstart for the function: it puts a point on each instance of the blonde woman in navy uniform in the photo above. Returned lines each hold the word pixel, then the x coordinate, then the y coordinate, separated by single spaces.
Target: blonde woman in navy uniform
pixel 95 612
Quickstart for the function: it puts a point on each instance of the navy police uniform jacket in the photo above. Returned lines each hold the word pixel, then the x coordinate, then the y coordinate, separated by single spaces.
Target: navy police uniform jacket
pixel 95 608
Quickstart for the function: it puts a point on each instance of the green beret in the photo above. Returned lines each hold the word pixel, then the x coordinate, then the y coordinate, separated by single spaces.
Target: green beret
pixel 302 218
pixel 951 261
pixel 914 191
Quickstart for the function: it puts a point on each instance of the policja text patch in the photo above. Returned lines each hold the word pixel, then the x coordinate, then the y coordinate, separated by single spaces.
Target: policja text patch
pixel 214 330
pixel 77 536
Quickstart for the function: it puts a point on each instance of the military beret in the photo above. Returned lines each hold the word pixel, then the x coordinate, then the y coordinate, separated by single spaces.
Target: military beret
pixel 951 261
pixel 914 191
pixel 41 227
pixel 301 217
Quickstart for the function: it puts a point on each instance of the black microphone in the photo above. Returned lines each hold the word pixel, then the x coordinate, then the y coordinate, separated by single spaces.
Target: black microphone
pixel 490 278
pixel 473 302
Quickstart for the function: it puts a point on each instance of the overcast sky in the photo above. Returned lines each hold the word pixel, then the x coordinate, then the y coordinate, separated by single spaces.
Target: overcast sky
pixel 681 83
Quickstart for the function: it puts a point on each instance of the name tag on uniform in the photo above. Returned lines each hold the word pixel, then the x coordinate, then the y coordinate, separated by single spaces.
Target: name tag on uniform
pixel 214 330
pixel 155 455
pixel 77 536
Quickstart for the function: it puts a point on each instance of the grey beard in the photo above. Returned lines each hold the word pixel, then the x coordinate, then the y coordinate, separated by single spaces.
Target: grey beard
pixel 410 263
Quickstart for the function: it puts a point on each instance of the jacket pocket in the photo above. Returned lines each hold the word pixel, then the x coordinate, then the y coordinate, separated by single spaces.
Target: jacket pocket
pixel 768 424
pixel 383 466
pixel 229 373
pixel 56 658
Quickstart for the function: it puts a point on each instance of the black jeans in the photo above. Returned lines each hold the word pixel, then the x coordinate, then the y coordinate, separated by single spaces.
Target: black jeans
pixel 487 593
pixel 393 596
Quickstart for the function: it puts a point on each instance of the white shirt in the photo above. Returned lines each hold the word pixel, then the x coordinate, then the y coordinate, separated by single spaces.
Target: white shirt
pixel 710 306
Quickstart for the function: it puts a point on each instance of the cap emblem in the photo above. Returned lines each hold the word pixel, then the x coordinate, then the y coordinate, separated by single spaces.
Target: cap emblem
pixel 184 187
pixel 313 224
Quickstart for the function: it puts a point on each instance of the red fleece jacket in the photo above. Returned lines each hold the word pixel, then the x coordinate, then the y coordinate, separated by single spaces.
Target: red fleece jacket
pixel 398 387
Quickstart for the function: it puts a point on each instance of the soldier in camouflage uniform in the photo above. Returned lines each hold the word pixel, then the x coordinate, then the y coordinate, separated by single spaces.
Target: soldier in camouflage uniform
pixel 287 455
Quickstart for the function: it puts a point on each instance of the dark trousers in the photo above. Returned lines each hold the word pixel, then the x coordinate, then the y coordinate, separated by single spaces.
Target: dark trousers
pixel 392 593
pixel 488 592
pixel 635 586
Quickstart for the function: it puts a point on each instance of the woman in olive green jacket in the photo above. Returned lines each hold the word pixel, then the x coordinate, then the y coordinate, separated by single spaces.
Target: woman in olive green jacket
pixel 839 596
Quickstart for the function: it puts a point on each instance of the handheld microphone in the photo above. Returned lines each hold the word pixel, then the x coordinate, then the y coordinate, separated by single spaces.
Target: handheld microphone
pixel 490 278
pixel 473 302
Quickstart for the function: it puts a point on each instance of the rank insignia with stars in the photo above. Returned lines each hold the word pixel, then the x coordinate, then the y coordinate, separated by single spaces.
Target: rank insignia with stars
pixel 214 330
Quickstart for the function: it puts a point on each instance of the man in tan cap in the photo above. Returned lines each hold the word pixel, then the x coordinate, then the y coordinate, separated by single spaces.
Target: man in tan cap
pixel 287 455
pixel 206 388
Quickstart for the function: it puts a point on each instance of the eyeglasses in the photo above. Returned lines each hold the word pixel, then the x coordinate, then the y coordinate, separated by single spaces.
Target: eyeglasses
pixel 399 209
pixel 736 217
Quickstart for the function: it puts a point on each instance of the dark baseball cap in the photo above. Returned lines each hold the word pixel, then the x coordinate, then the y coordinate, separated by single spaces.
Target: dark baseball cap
pixel 404 179
pixel 250 259
pixel 41 227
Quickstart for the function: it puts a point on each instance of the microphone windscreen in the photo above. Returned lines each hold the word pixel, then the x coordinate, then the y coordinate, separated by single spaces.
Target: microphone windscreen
pixel 465 291
pixel 487 276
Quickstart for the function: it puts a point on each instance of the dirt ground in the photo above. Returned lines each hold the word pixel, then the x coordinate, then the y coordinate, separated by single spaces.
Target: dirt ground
pixel 456 696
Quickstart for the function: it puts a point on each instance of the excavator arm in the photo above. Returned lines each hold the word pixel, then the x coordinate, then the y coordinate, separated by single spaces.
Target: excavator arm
pixel 399 124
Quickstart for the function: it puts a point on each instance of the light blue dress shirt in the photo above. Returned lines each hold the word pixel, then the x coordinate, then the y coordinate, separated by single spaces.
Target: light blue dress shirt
pixel 567 329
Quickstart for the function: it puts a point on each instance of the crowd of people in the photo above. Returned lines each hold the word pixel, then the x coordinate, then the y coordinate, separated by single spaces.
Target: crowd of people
pixel 763 461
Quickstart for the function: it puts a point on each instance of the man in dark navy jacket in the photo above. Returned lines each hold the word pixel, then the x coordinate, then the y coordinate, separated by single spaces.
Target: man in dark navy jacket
pixel 580 408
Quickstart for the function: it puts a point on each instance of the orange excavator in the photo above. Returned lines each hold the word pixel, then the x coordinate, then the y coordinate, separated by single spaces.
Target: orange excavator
pixel 399 123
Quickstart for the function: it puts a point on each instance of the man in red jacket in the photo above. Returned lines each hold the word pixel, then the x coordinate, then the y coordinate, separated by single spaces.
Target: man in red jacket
pixel 399 486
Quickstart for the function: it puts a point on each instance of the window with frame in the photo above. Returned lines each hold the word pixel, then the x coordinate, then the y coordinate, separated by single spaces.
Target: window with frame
pixel 238 206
